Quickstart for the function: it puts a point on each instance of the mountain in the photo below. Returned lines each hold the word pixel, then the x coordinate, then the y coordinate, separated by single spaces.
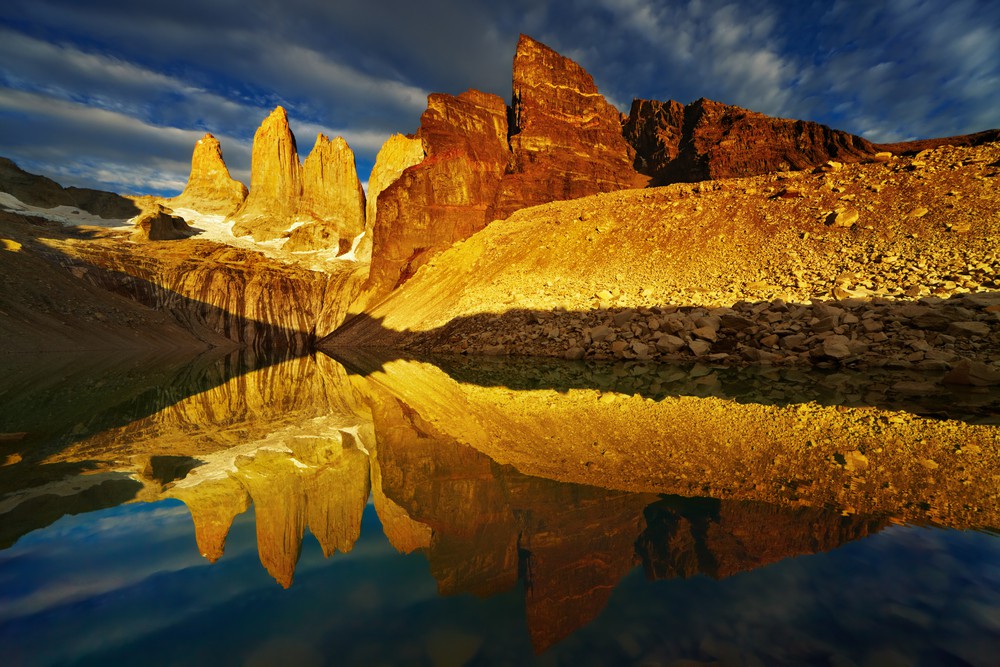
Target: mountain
pixel 318 205
pixel 210 188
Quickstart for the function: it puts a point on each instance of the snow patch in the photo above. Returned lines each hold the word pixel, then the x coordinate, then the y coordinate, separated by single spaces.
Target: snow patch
pixel 69 216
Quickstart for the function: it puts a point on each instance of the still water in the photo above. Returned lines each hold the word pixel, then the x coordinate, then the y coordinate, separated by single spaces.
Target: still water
pixel 230 510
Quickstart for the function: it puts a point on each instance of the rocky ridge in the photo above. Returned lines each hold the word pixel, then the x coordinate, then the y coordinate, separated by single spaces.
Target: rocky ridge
pixel 560 140
pixel 708 140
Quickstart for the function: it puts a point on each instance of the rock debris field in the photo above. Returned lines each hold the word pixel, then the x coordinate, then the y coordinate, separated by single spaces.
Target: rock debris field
pixel 893 263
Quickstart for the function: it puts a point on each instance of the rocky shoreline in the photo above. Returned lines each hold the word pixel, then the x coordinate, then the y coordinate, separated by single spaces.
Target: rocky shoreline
pixel 959 335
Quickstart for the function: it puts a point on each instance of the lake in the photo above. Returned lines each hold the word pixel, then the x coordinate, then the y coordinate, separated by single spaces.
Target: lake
pixel 229 509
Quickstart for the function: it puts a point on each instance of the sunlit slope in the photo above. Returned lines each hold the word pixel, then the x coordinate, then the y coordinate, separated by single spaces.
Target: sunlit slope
pixel 903 228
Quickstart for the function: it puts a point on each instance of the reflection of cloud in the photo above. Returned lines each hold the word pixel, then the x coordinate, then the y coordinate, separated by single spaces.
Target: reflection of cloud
pixel 112 532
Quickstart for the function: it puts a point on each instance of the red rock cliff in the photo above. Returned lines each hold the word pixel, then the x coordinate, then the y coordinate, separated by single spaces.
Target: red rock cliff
pixel 707 140
pixel 447 196
pixel 566 138
pixel 566 142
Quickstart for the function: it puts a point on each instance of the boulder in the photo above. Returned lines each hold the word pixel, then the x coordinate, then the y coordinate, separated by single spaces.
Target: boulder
pixel 158 224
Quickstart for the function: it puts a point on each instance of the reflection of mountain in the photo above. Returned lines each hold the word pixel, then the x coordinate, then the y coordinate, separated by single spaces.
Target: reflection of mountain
pixel 306 444
pixel 719 538
pixel 570 543
pixel 864 460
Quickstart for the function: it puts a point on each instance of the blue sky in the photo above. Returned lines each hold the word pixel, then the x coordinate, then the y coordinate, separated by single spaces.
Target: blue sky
pixel 112 94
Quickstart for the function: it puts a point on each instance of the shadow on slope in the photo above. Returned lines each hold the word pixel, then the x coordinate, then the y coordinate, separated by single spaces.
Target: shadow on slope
pixel 725 371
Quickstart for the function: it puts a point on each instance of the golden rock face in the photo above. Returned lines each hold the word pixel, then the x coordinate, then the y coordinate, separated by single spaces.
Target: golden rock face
pixel 317 205
pixel 332 198
pixel 210 188
pixel 396 155
pixel 275 181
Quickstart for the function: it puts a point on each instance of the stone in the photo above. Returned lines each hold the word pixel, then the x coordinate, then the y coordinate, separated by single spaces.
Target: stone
pixel 599 333
pixel 574 353
pixel 770 340
pixel 842 217
pixel 917 212
pixel 275 181
pixel 837 347
pixel 968 329
pixel 699 347
pixel 855 461
pixel 159 224
pixel 669 344
pixel 623 318
pixel 396 155
pixel 566 139
pixel 709 140
pixel 705 333
pixel 641 349
pixel 972 373
pixel 210 189
pixel 332 200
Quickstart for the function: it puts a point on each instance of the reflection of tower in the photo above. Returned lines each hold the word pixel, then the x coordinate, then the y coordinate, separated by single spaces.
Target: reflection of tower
pixel 689 536
pixel 313 482
pixel 304 464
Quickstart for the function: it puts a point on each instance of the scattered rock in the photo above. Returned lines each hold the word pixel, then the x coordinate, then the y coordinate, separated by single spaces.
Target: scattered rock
pixel 842 217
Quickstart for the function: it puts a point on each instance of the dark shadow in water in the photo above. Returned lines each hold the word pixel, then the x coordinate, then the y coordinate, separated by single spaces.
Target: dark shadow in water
pixel 767 385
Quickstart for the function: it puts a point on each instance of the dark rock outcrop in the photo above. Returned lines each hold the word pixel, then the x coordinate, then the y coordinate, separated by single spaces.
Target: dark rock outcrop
pixel 43 192
pixel 210 188
pixel 708 140
pixel 159 224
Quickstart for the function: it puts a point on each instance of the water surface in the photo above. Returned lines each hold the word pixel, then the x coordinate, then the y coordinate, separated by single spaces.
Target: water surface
pixel 228 510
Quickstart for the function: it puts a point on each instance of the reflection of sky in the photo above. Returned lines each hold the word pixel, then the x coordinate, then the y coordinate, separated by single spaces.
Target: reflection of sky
pixel 126 586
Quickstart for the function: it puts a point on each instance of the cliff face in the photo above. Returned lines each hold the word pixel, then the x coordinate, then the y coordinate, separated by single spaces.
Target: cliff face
pixel 566 142
pixel 217 291
pixel 210 188
pixel 445 197
pixel 708 140
pixel 396 155
pixel 275 181
pixel 566 138
pixel 332 202
pixel 318 205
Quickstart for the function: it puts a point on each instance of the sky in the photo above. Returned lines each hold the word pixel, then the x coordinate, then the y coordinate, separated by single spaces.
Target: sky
pixel 113 94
